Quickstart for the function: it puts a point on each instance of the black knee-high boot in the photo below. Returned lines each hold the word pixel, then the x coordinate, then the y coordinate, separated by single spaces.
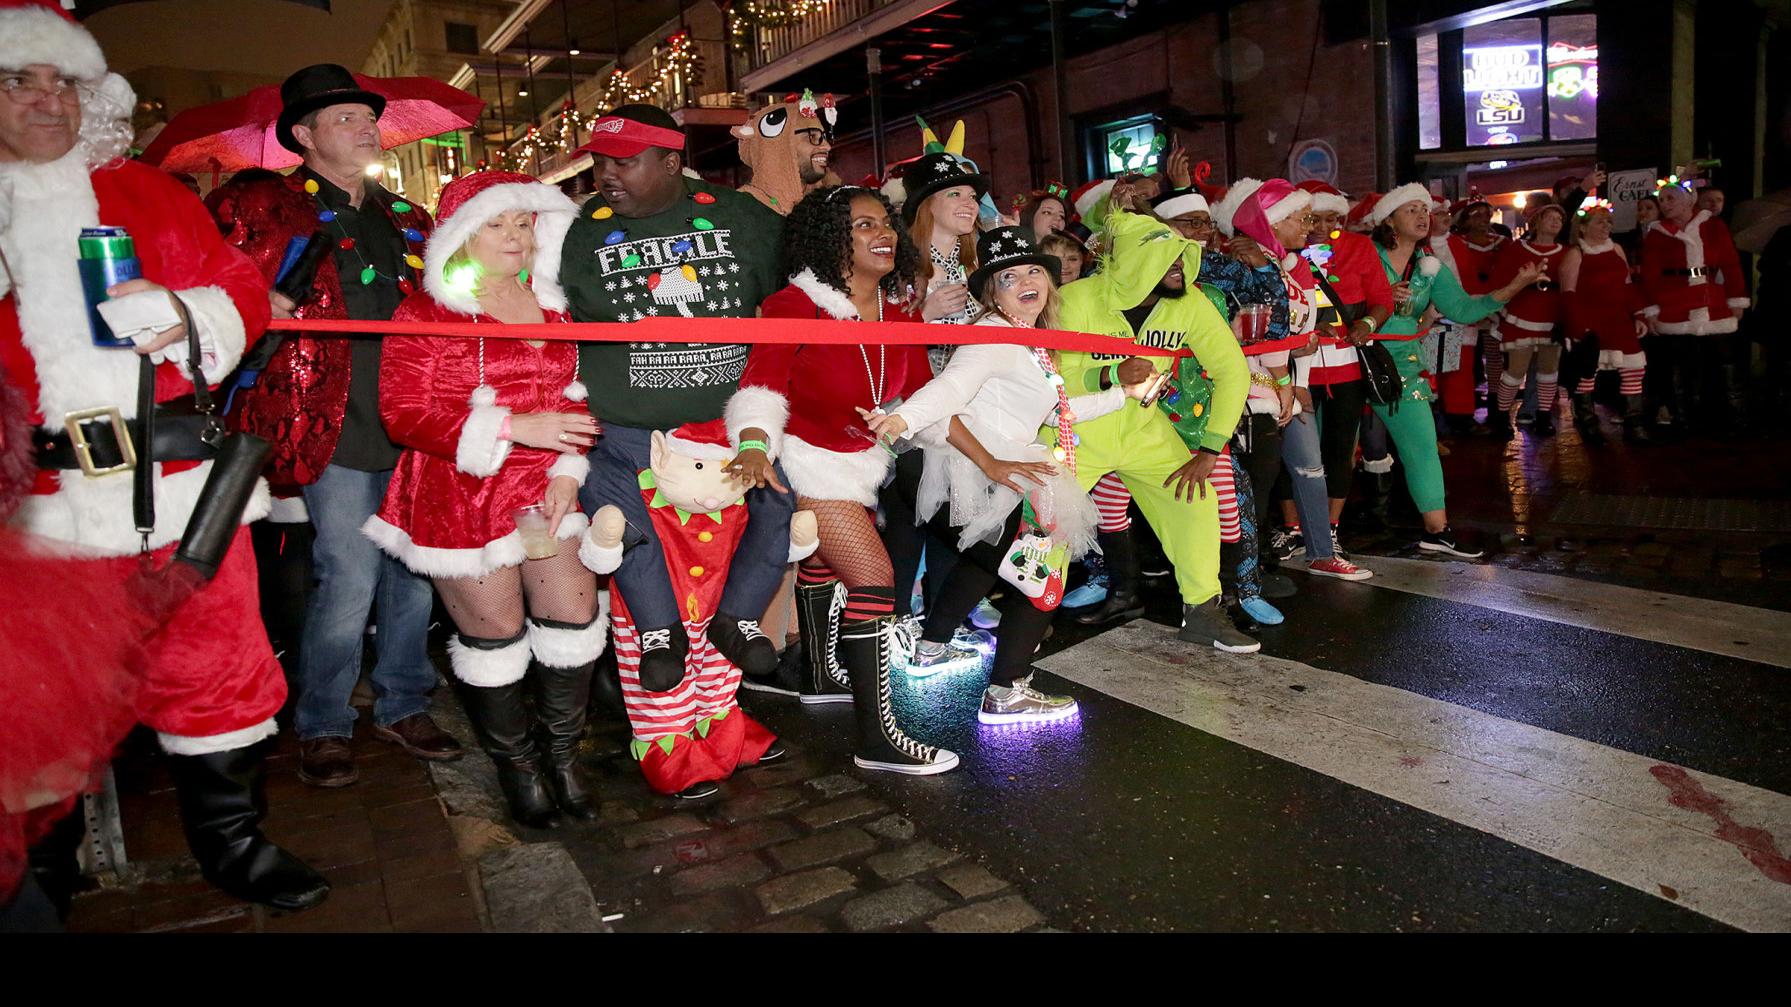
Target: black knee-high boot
pixel 562 696
pixel 818 608
pixel 1122 601
pixel 221 805
pixel 502 722
pixel 865 649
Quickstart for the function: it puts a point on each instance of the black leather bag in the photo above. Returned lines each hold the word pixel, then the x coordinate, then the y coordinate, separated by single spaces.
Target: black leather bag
pixel 1381 382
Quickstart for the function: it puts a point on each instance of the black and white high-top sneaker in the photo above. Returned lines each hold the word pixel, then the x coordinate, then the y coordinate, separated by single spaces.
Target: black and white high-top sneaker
pixel 866 648
pixel 818 608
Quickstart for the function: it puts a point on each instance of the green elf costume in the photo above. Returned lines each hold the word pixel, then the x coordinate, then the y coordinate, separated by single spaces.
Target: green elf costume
pixel 1144 446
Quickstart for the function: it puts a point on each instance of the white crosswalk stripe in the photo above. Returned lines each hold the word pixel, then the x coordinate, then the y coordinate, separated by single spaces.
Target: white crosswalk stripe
pixel 1595 807
pixel 1715 627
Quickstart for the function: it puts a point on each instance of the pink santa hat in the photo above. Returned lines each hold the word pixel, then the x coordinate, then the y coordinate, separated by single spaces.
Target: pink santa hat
pixel 1254 208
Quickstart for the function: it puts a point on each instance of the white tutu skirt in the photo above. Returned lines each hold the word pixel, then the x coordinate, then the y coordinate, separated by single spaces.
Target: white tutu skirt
pixel 981 508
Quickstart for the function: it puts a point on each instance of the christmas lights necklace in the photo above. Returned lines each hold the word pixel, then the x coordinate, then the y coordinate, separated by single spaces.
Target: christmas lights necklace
pixel 348 244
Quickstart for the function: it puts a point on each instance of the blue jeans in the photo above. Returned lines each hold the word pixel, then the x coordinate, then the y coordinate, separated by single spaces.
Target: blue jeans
pixel 755 572
pixel 1306 471
pixel 350 575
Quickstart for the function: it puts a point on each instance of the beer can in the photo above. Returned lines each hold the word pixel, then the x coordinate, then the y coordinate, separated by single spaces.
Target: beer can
pixel 108 258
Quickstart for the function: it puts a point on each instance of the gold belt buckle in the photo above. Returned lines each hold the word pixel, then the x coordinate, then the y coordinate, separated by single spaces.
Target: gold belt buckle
pixel 72 421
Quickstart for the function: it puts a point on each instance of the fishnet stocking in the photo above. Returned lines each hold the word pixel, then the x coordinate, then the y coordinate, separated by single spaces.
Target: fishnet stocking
pixel 560 588
pixel 491 606
pixel 852 549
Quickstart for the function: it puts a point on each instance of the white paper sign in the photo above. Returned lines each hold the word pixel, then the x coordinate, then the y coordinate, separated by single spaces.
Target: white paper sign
pixel 1626 188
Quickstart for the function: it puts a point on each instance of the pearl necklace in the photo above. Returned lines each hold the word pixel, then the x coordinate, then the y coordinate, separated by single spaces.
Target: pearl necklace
pixel 878 380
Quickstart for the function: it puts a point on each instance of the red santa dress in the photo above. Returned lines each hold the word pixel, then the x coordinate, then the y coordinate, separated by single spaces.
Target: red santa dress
pixel 1529 320
pixel 1691 277
pixel 211 683
pixel 1604 303
pixel 826 450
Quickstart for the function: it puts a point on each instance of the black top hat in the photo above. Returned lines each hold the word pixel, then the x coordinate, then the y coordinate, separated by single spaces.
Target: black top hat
pixel 317 87
pixel 929 173
pixel 1004 248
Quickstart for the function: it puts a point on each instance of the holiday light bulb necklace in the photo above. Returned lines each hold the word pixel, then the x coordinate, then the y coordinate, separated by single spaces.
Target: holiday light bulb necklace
pixel 347 244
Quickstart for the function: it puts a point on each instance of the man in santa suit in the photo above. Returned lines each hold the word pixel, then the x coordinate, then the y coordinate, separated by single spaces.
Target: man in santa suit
pixel 1693 284
pixel 211 683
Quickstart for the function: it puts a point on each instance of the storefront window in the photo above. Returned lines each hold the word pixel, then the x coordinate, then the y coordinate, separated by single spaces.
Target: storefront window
pixel 1573 77
pixel 1502 82
pixel 1430 101
pixel 1128 145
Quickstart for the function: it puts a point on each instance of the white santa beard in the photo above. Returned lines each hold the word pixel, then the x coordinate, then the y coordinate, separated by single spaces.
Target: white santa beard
pixel 50 204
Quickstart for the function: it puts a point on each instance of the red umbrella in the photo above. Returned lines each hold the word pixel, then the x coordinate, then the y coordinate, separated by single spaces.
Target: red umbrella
pixel 239 133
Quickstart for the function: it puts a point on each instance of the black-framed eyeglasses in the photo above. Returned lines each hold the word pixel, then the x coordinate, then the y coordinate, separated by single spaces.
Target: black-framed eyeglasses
pixel 813 135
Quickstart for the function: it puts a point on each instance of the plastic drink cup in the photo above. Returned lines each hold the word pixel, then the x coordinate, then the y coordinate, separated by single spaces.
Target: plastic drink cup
pixel 538 541
pixel 1251 325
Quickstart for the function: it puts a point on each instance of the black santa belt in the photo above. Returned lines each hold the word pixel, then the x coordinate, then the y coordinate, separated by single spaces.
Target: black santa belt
pixel 102 442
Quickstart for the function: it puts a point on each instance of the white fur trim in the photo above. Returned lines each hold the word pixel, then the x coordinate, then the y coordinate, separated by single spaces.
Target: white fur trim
pixel 222 337
pixel 1429 266
pixel 1411 192
pixel 1330 202
pixel 1651 311
pixel 1378 466
pixel 429 561
pixel 31 35
pixel 572 525
pixel 835 475
pixel 1234 197
pixel 488 668
pixel 1098 192
pixel 1553 250
pixel 576 391
pixel 571 648
pixel 1604 246
pixel 94 515
pixel 288 510
pixel 1187 202
pixel 798 553
pixel 577 465
pixel 480 451
pixel 834 302
pixel 483 395
pixel 597 558
pixel 1740 304
pixel 555 214
pixel 211 744
pixel 1698 323
pixel 1288 205
pixel 752 406
pixel 1617 360
pixel 1524 323
pixel 698 449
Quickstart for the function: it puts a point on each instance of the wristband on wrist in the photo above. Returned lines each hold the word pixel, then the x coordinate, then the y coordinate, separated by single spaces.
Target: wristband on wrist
pixel 1113 376
pixel 1284 380
pixel 504 429
pixel 759 446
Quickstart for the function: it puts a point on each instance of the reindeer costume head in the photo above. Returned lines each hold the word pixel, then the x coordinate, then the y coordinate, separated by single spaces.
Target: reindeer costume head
pixel 788 146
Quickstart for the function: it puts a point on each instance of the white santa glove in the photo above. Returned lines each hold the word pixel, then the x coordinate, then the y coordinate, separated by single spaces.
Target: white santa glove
pixel 143 316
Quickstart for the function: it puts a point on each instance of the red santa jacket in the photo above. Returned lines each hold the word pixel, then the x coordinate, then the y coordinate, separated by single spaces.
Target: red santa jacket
pixel 1691 276
pixel 1359 280
pixel 299 400
pixel 1537 308
pixel 807 397
pixel 1472 264
pixel 1598 297
pixel 47 347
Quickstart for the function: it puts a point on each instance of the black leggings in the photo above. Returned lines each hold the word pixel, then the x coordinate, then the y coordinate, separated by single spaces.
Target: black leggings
pixel 907 543
pixel 1023 625
pixel 1339 409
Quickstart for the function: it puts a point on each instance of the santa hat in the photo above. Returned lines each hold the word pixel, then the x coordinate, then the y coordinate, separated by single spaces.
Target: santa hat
pixel 1088 195
pixel 43 31
pixel 1256 207
pixel 1326 198
pixel 1248 196
pixel 707 439
pixel 471 200
pixel 1411 192
pixel 1358 211
pixel 1174 204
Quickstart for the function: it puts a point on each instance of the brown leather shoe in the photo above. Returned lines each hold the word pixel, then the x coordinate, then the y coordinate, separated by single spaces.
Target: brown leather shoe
pixel 327 762
pixel 421 738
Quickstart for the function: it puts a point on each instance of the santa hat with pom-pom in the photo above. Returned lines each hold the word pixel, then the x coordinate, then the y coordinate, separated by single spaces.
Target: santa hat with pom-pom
pixel 44 32
pixel 1326 198
pixel 707 439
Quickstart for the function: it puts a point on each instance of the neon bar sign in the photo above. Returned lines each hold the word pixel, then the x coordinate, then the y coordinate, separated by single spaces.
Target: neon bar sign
pixel 1502 68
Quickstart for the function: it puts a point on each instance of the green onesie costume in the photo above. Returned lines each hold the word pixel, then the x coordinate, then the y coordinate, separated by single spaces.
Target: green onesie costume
pixel 1142 445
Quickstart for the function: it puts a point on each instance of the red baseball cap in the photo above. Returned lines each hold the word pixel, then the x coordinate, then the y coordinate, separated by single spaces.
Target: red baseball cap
pixel 621 135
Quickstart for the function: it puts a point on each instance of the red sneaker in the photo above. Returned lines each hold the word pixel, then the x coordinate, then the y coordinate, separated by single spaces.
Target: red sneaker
pixel 1338 567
